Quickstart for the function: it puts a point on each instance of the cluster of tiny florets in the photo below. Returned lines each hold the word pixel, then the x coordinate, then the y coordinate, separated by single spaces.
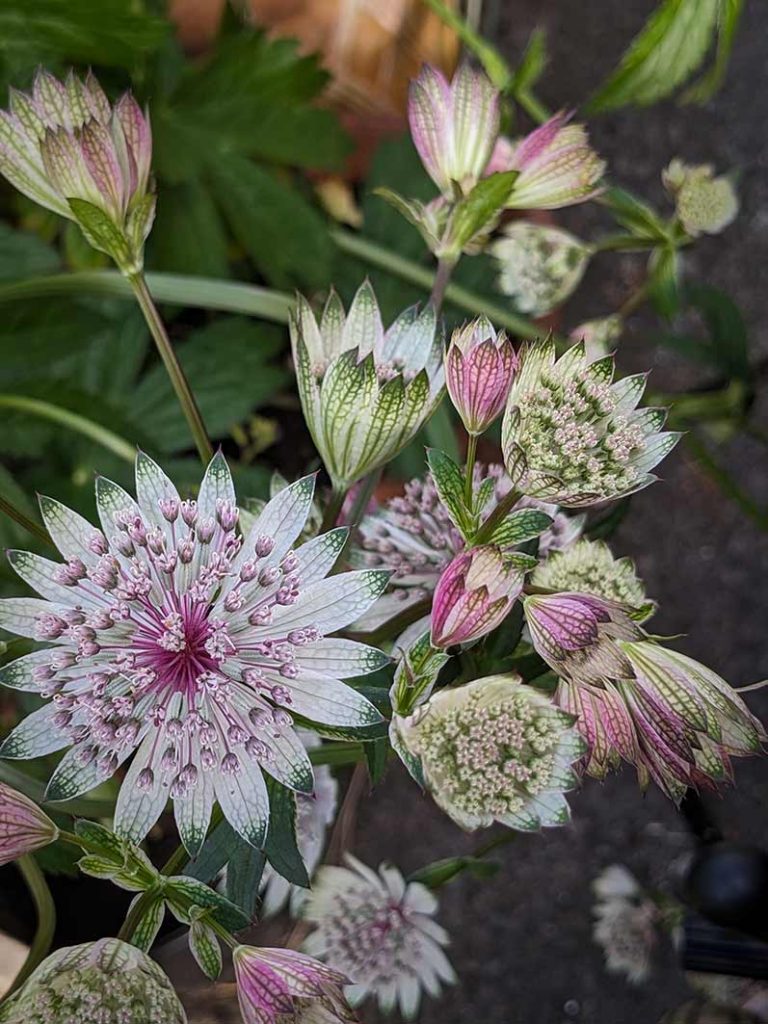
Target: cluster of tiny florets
pixel 491 758
pixel 588 567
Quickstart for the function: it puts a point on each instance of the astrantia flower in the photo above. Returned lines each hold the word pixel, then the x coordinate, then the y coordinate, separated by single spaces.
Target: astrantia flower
pixel 278 986
pixel 495 749
pixel 557 166
pixel 625 923
pixel 599 336
pixel 365 392
pixel 68 149
pixel 314 813
pixel 176 636
pixel 453 125
pixel 108 980
pixel 573 437
pixel 24 827
pixel 378 930
pixel 475 592
pixel 539 267
pixel 705 204
pixel 479 367
pixel 588 567
pixel 413 536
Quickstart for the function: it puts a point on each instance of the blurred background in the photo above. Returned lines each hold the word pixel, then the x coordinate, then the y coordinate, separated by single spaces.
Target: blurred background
pixel 266 159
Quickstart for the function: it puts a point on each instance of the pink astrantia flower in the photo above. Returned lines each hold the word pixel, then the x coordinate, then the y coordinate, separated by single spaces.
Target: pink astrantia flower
pixel 454 125
pixel 68 149
pixel 180 638
pixel 474 594
pixel 283 985
pixel 24 827
pixel 479 368
pixel 557 166
pixel 674 719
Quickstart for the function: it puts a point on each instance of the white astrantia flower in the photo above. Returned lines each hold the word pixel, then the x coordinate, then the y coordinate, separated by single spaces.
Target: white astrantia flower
pixel 413 536
pixel 365 392
pixel 180 638
pixel 494 750
pixel 626 921
pixel 379 931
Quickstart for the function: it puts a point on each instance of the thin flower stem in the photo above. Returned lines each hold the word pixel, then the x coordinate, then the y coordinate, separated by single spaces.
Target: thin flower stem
pixel 46 919
pixel 136 913
pixel 332 509
pixel 440 283
pixel 498 514
pixel 469 471
pixel 221 931
pixel 74 421
pixel 9 509
pixel 173 367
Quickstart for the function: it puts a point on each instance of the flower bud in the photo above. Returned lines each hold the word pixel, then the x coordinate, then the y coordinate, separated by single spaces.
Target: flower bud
pixel 24 827
pixel 705 204
pixel 474 594
pixel 539 267
pixel 479 368
pixel 277 983
pixel 598 336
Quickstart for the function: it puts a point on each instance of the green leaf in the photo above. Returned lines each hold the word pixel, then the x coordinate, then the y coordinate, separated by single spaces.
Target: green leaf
pixel 205 948
pixel 149 925
pixel 214 854
pixel 664 280
pixel 228 368
pixel 376 755
pixel 23 255
pixel 183 894
pixel 479 210
pixel 439 872
pixel 281 848
pixel 531 67
pixel 449 481
pixel 519 526
pixel 102 233
pixel 710 82
pixel 669 49
pixel 728 342
pixel 188 236
pixel 244 872
pixel 635 215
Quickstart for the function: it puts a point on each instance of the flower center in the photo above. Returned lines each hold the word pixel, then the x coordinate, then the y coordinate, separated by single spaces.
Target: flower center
pixel 180 646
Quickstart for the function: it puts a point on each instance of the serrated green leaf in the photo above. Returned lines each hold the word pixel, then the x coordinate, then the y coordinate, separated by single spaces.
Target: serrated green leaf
pixel 184 893
pixel 635 215
pixel 518 527
pixel 710 82
pixel 149 925
pixel 449 481
pixel 23 254
pixel 531 67
pixel 281 848
pixel 479 210
pixel 189 236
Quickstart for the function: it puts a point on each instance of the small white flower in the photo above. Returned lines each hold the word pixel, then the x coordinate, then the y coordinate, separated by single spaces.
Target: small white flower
pixel 625 923
pixel 380 931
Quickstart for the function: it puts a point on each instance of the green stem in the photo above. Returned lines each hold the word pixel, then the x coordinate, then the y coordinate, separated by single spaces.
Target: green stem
pixel 332 509
pixel 173 367
pixel 533 107
pixel 498 514
pixel 176 289
pixel 469 471
pixel 46 919
pixel 221 931
pixel 177 860
pixel 422 277
pixel 440 283
pixel 37 407
pixel 22 519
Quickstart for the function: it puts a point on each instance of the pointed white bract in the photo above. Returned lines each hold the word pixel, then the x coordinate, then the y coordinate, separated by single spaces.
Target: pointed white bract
pixel 494 750
pixel 180 638
pixel 365 392
pixel 379 931
pixel 67 148
pixel 572 435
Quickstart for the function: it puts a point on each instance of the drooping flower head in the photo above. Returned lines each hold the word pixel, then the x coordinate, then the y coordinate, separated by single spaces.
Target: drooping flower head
pixel 182 639
pixel 378 930
pixel 588 567
pixel 67 148
pixel 626 922
pixel 705 204
pixel 494 750
pixel 674 719
pixel 365 391
pixel 557 166
pixel 571 435
pixel 277 986
pixel 454 125
pixel 108 980
pixel 412 535
pixel 24 827
pixel 475 593
pixel 539 266
pixel 479 368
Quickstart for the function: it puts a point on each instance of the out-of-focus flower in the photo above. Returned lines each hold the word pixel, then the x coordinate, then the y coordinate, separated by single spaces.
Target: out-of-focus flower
pixel 573 437
pixel 494 749
pixel 557 166
pixel 539 267
pixel 588 567
pixel 314 813
pixel 412 535
pixel 24 827
pixel 365 392
pixel 704 204
pixel 454 125
pixel 475 592
pixel 181 639
pixel 699 1011
pixel 378 930
pixel 479 368
pixel 738 1000
pixel 69 150
pixel 108 980
pixel 278 985
pixel 626 923
pixel 674 719
pixel 598 336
